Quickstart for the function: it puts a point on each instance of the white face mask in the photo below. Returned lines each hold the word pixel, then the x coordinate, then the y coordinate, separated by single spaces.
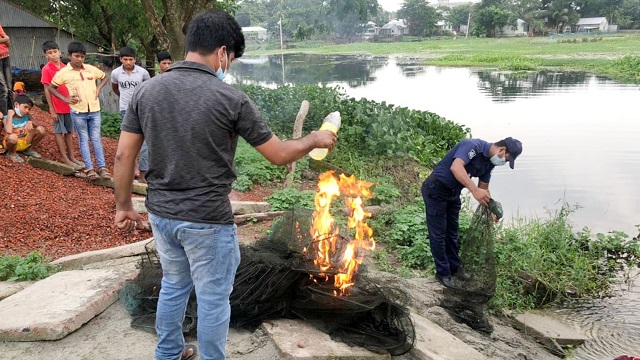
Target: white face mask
pixel 17 110
pixel 220 74
pixel 498 161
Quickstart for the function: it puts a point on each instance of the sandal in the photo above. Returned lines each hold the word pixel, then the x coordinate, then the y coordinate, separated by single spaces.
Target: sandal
pixel 32 153
pixel 90 174
pixel 78 162
pixel 77 167
pixel 15 158
pixel 104 173
pixel 189 352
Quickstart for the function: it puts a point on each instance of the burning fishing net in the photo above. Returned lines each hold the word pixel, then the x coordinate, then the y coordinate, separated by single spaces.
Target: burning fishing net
pixel 306 268
pixel 468 301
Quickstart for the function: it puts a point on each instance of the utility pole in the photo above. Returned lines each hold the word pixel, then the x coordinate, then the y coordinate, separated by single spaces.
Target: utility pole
pixel 280 23
pixel 468 24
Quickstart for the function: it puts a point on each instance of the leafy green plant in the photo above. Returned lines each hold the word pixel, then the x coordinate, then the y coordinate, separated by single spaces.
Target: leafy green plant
pixel 110 125
pixel 253 168
pixel 34 266
pixel 289 198
pixel 384 191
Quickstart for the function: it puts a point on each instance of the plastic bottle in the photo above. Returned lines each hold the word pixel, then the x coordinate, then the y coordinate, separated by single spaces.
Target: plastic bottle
pixel 332 123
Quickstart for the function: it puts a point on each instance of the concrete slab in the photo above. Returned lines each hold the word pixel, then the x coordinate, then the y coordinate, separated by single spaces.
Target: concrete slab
pixel 78 260
pixel 56 306
pixel 435 343
pixel 238 207
pixel 296 339
pixel 546 328
pixel 8 288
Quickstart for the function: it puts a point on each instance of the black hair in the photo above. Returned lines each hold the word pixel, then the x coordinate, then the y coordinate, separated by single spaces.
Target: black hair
pixel 49 45
pixel 77 47
pixel 163 55
pixel 127 51
pixel 24 99
pixel 213 29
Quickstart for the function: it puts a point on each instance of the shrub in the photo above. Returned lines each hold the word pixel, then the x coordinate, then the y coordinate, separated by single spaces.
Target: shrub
pixel 32 267
pixel 290 198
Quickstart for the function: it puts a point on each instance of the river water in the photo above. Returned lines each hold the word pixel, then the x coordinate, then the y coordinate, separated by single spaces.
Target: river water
pixel 581 145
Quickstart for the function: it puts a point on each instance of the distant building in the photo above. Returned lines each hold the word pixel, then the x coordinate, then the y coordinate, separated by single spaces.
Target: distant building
pixel 28 31
pixel 255 33
pixel 395 28
pixel 518 30
pixel 450 4
pixel 592 24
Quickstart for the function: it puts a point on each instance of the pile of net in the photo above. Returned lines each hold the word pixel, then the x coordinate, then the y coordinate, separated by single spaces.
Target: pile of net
pixel 276 278
pixel 468 301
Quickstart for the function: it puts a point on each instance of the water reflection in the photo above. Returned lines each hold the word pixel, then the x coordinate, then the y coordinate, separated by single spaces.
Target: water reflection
pixel 508 86
pixel 354 71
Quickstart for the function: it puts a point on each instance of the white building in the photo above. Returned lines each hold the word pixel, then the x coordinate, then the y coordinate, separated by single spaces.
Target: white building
pixel 395 28
pixel 592 24
pixel 255 33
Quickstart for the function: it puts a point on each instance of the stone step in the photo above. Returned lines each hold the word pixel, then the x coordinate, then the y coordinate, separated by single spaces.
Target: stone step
pixel 435 343
pixel 58 305
pixel 296 339
pixel 548 330
pixel 8 288
pixel 89 257
pixel 238 207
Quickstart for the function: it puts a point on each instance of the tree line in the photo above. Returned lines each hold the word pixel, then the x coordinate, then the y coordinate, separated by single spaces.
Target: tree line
pixel 151 25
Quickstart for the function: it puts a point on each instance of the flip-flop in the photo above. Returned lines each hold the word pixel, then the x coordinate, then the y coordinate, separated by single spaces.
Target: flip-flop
pixel 187 348
pixel 15 158
pixel 32 153
pixel 78 162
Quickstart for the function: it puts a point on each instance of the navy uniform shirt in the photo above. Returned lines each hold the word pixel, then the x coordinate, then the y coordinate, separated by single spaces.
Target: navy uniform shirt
pixel 475 154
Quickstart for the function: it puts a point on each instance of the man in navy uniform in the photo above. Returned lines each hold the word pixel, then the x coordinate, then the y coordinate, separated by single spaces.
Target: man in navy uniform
pixel 441 194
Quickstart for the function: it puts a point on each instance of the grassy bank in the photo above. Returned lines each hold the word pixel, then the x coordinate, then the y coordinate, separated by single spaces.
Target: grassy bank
pixel 597 54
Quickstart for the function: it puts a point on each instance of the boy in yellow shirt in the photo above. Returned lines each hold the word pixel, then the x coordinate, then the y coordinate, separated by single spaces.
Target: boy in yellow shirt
pixel 80 80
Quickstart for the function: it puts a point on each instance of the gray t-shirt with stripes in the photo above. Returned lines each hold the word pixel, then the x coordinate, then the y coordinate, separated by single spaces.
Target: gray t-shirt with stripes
pixel 191 122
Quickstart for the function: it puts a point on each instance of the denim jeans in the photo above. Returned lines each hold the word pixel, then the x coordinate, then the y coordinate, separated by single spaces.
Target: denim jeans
pixel 143 162
pixel 88 128
pixel 6 101
pixel 194 254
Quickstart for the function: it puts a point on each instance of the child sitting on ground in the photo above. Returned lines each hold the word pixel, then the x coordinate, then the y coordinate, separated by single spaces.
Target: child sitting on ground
pixel 20 133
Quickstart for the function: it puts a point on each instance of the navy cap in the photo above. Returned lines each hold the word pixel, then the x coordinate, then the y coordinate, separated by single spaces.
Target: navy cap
pixel 514 149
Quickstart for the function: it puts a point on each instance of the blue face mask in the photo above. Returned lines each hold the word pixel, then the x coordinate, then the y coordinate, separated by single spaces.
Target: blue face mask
pixel 17 110
pixel 498 161
pixel 220 74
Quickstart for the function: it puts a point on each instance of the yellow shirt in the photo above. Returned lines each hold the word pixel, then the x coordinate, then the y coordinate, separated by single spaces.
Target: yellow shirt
pixel 81 83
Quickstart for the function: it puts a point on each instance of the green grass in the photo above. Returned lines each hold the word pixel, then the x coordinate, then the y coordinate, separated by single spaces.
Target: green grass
pixel 599 54
pixel 614 45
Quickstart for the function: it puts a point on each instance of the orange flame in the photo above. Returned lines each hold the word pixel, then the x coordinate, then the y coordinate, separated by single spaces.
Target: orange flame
pixel 326 233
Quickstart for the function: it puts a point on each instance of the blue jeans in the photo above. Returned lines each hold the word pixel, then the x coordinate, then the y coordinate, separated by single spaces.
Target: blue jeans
pixel 194 254
pixel 143 162
pixel 88 128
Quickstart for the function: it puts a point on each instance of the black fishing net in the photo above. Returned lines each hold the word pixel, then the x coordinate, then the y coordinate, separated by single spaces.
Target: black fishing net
pixel 277 278
pixel 467 302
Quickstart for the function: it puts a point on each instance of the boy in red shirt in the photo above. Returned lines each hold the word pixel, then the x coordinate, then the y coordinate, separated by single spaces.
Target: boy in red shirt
pixel 60 111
